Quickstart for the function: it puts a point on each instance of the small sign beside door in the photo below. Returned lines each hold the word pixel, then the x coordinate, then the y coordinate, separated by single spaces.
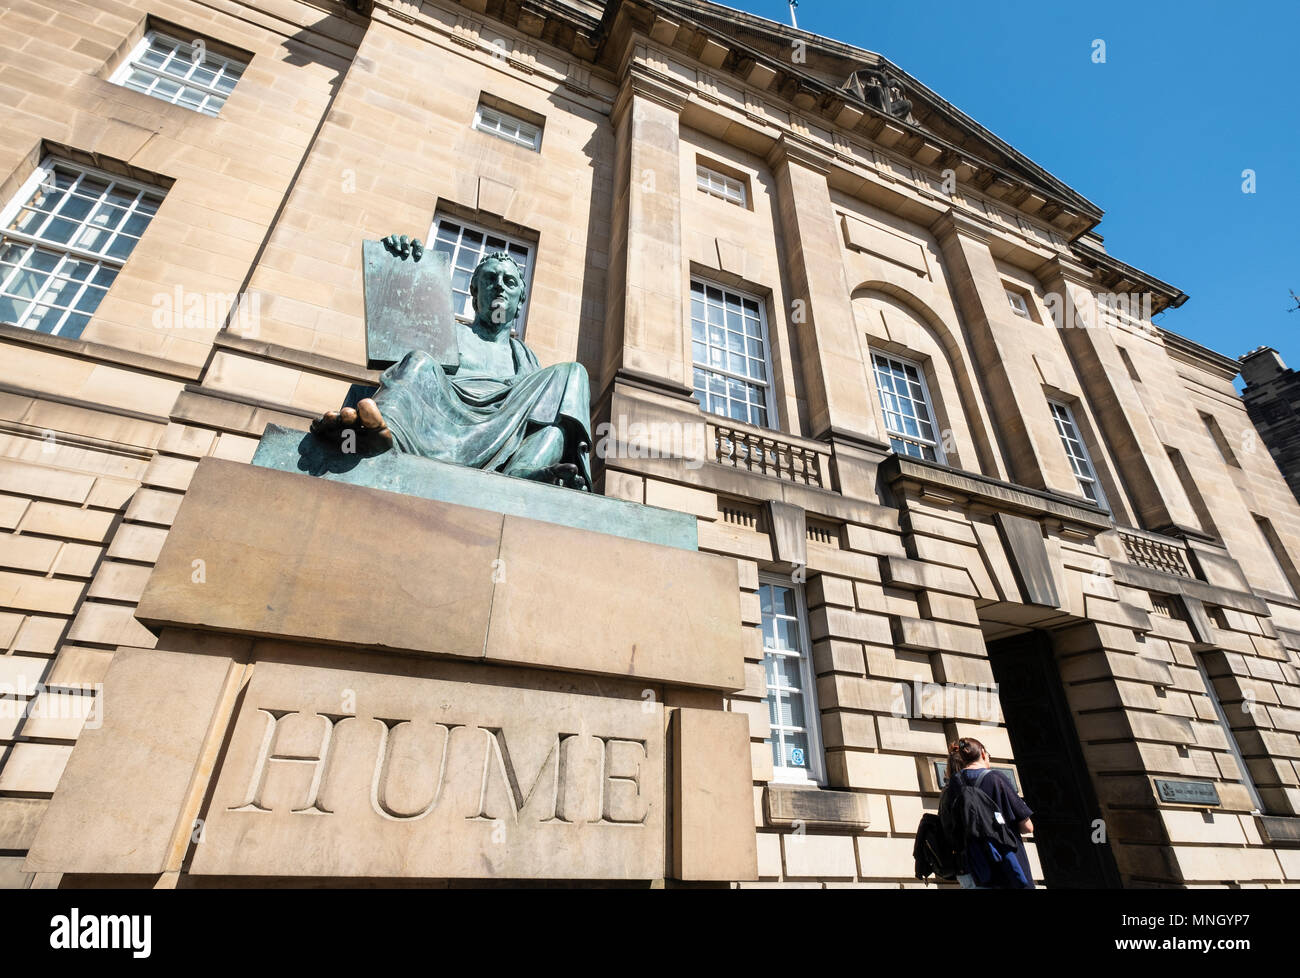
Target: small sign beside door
pixel 1187 792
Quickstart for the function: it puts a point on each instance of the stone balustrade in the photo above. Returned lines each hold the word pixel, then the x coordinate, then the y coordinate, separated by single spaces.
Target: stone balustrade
pixel 1155 551
pixel 760 451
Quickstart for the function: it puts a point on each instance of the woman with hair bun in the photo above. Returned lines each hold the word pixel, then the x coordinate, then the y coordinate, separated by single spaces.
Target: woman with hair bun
pixel 991 854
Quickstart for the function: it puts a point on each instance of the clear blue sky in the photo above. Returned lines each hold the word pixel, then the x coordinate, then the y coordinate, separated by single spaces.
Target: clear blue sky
pixel 1191 94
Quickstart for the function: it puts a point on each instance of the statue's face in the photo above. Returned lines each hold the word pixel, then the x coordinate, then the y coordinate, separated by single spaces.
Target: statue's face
pixel 497 290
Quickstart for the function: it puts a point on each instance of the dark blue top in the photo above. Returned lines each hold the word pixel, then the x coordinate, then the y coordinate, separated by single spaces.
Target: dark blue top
pixel 988 865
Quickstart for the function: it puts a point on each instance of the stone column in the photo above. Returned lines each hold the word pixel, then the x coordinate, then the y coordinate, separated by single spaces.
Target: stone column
pixel 835 380
pixel 1029 442
pixel 646 333
pixel 1153 486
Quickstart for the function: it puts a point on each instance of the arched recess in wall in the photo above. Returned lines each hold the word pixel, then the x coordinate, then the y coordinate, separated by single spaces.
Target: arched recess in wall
pixel 895 321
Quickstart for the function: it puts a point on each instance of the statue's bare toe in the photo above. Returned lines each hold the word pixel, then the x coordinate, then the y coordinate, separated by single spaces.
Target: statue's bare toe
pixel 326 424
pixel 368 413
pixel 561 474
pixel 372 434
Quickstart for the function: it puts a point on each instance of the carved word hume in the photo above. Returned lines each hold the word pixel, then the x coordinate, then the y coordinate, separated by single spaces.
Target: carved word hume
pixel 620 761
pixel 434 779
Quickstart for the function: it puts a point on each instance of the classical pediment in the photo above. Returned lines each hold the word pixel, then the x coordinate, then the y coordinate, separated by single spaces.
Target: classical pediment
pixel 869 79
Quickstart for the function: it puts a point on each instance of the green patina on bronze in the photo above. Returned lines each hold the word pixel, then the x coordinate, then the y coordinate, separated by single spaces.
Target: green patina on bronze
pixel 408 307
pixel 475 395
pixel 295 451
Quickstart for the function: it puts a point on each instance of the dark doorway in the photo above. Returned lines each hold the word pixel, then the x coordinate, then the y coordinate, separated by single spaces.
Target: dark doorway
pixel 1054 779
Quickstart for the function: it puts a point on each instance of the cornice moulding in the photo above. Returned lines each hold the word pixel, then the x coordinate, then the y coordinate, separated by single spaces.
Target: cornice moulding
pixel 953 221
pixel 1045 203
pixel 789 149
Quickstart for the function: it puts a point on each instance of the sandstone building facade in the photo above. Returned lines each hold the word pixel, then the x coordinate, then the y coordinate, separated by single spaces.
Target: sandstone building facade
pixel 844 326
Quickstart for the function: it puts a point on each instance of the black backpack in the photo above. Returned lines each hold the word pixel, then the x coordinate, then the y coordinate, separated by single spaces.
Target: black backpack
pixel 967 813
pixel 932 852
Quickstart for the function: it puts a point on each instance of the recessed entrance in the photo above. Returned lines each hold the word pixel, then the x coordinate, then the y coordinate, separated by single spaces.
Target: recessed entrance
pixel 1054 779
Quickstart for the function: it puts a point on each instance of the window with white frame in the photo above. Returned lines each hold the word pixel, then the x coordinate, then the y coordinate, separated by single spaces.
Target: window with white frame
pixel 791 697
pixel 63 239
pixel 1077 452
pixel 729 350
pixel 465 245
pixel 181 72
pixel 508 127
pixel 720 185
pixel 909 422
pixel 1018 304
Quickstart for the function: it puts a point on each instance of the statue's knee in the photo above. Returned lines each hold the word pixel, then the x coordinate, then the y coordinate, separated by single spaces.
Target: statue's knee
pixel 415 358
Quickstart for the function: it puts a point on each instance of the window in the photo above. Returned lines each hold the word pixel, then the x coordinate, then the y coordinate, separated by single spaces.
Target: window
pixel 906 404
pixel 1077 453
pixel 508 127
pixel 791 703
pixel 729 351
pixel 65 236
pixel 1128 365
pixel 720 185
pixel 1281 559
pixel 1018 304
pixel 1220 441
pixel 1245 724
pixel 1194 496
pixel 465 245
pixel 180 72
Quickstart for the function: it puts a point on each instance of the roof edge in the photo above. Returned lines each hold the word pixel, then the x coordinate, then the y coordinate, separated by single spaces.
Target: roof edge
pixel 1217 362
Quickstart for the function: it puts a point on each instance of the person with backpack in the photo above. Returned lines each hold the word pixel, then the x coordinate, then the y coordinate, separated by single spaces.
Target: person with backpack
pixel 983 820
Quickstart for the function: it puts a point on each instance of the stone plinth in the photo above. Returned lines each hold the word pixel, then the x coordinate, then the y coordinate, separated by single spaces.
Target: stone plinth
pixel 342 764
pixel 264 553
pixel 352 684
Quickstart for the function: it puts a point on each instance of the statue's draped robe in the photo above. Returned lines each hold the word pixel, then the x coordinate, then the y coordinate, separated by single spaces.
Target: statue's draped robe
pixel 482 421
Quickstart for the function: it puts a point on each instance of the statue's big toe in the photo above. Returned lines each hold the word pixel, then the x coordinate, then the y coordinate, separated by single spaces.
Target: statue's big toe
pixel 368 412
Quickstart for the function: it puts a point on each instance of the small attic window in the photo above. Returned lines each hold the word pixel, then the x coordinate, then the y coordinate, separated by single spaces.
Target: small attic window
pixel 511 128
pixel 716 184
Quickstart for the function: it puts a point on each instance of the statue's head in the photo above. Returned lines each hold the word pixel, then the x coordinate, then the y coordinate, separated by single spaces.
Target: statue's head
pixel 498 288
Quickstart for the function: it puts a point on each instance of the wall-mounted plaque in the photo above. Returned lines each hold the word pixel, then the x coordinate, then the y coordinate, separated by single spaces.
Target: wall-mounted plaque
pixel 1187 792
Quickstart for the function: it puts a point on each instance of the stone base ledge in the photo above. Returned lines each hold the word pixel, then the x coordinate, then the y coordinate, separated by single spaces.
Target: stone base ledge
pixel 289 450
pixel 257 552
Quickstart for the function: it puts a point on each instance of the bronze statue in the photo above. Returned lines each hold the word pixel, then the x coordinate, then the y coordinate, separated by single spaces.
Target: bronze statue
pixel 498 410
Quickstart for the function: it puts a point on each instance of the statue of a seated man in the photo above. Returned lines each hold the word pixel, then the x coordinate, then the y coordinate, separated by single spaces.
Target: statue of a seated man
pixel 499 410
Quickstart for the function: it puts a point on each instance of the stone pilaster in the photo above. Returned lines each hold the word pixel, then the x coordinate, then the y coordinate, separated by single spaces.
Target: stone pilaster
pixel 646 335
pixel 1029 442
pixel 1156 494
pixel 839 399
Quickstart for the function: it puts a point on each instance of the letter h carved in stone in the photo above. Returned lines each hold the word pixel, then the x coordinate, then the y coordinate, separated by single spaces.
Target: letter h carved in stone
pixel 266 756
